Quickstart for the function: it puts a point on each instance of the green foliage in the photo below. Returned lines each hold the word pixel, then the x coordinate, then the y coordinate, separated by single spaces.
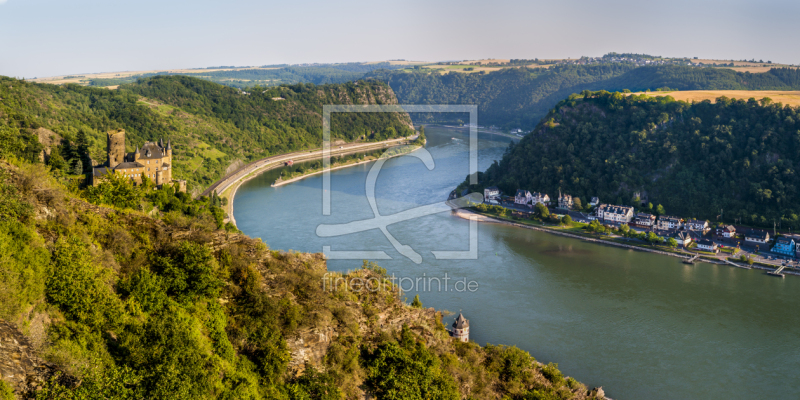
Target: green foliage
pixel 672 242
pixel 314 385
pixel 542 211
pixel 190 272
pixel 416 303
pixel 22 277
pixel 407 370
pixel 210 125
pixel 79 288
pixel 115 190
pixel 695 159
pixel 170 351
pixel 6 392
pixel 98 383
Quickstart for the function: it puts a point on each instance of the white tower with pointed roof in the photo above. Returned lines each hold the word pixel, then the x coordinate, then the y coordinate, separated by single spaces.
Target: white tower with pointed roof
pixel 460 328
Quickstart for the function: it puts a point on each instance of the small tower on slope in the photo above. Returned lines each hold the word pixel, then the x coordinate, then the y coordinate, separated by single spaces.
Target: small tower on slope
pixel 460 328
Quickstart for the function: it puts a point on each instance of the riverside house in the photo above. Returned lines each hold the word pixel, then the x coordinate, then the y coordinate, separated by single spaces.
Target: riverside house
pixel 756 236
pixel 644 220
pixel 784 245
pixel 683 238
pixel 523 197
pixel 491 193
pixel 707 245
pixel 686 237
pixel 564 201
pixel 727 231
pixel 666 222
pixel 539 198
pixel 595 201
pixel 696 225
pixel 616 214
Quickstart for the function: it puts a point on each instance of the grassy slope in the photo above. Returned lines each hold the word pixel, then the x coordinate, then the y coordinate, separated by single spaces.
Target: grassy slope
pixel 105 292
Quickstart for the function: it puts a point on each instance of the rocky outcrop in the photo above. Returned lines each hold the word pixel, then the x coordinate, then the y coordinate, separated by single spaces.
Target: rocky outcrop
pixel 48 139
pixel 19 365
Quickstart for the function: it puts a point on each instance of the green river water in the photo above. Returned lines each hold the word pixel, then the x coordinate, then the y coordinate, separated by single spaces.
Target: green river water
pixel 643 326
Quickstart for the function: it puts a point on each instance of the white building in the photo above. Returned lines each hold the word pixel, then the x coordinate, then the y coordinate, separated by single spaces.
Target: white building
pixel 539 198
pixel 696 225
pixel 523 197
pixel 756 236
pixel 707 245
pixel 491 193
pixel 612 213
pixel 667 222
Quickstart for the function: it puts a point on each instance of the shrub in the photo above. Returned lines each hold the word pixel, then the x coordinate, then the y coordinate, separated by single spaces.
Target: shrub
pixel 190 271
pixel 77 286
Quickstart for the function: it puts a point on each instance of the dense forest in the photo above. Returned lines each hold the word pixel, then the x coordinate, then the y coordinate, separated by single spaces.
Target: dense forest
pixel 732 159
pixel 211 126
pixel 125 292
pixel 285 75
pixel 520 97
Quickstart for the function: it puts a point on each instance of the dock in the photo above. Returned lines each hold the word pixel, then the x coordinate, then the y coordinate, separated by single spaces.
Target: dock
pixel 737 265
pixel 691 260
pixel 777 272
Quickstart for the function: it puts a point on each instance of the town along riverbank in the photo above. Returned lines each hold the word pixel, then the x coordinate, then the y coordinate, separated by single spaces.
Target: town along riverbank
pixel 662 250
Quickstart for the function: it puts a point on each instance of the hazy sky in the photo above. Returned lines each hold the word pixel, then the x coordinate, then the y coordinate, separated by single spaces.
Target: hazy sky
pixel 55 37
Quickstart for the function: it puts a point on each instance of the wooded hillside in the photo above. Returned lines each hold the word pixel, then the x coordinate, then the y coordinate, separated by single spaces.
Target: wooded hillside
pixel 734 157
pixel 211 126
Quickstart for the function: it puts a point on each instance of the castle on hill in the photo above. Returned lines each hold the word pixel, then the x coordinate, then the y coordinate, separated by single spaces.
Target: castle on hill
pixel 153 160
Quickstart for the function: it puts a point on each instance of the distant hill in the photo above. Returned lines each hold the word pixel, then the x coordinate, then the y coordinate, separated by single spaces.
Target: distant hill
pixel 737 158
pixel 520 97
pixel 212 127
pixel 263 76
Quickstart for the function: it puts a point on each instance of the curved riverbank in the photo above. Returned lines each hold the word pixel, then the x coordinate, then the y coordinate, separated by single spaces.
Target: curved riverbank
pixel 227 186
pixel 306 175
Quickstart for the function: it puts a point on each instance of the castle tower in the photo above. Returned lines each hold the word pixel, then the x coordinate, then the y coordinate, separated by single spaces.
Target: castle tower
pixel 116 148
pixel 460 328
pixel 137 154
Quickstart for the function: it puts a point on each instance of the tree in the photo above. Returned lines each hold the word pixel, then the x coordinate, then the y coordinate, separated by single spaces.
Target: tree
pixel 78 170
pixel 672 242
pixel 577 203
pixel 416 303
pixel 624 229
pixel 56 161
pixel 649 207
pixel 654 239
pixel 566 220
pixel 660 210
pixel 542 211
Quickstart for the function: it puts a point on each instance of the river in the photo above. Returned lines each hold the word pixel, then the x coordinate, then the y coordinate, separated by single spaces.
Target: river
pixel 644 326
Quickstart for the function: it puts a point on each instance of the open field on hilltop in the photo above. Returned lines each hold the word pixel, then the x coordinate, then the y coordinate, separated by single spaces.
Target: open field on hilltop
pixel 742 66
pixel 79 78
pixel 786 97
